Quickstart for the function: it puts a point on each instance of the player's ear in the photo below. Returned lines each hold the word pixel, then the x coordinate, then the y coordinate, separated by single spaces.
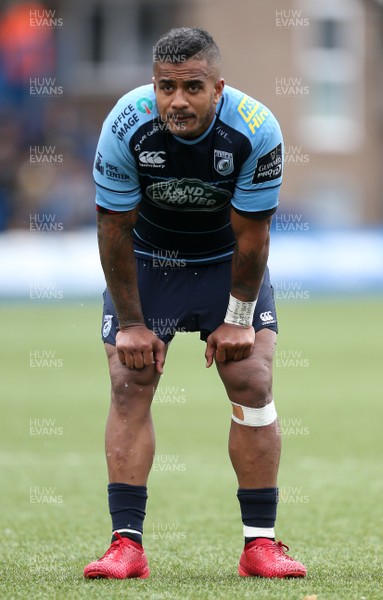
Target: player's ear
pixel 154 82
pixel 218 90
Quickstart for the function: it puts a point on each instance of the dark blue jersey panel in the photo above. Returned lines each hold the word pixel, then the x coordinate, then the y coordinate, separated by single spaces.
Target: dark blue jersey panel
pixel 185 188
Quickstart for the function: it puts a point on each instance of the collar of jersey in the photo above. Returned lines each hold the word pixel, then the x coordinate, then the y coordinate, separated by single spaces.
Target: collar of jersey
pixel 198 139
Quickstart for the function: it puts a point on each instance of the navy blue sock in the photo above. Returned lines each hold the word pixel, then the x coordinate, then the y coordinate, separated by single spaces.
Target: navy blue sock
pixel 258 507
pixel 127 505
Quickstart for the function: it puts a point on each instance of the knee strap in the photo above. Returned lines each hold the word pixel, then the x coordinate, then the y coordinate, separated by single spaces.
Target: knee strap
pixel 254 417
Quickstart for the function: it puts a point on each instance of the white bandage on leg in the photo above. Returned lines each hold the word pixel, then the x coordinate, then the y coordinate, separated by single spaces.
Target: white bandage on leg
pixel 254 417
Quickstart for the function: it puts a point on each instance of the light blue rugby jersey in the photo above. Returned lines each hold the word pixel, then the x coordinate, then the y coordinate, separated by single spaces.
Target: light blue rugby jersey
pixel 186 188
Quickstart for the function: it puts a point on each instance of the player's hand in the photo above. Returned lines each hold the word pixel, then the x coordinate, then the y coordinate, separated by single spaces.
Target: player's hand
pixel 139 347
pixel 229 342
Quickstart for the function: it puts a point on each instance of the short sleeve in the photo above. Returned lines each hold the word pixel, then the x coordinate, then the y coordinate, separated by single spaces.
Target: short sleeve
pixel 260 177
pixel 114 172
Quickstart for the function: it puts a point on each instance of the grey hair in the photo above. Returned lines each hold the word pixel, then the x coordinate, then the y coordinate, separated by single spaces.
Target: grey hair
pixel 182 43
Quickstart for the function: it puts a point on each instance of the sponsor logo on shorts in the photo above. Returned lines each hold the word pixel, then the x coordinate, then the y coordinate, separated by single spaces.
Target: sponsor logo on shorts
pixel 223 162
pixel 107 325
pixel 152 159
pixel 269 166
pixel 266 317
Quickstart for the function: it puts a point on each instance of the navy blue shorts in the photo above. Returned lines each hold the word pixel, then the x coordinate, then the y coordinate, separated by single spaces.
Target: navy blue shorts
pixel 187 298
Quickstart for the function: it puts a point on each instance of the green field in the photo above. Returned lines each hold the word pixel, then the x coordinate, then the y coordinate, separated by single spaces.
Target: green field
pixel 54 517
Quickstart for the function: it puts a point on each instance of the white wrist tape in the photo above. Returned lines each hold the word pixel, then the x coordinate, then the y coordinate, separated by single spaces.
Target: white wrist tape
pixel 254 417
pixel 240 313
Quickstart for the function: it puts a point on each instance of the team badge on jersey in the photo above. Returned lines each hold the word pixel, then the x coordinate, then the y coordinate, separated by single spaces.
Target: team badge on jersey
pixel 223 162
pixel 107 325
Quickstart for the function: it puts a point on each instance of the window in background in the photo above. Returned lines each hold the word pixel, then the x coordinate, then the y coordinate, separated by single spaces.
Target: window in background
pixel 330 57
pixel 106 47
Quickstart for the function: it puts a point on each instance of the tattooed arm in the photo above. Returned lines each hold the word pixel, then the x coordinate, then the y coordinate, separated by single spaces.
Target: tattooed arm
pixel 117 258
pixel 137 346
pixel 232 342
pixel 250 255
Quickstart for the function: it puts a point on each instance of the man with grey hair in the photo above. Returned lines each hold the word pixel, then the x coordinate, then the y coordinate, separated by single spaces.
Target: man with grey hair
pixel 189 169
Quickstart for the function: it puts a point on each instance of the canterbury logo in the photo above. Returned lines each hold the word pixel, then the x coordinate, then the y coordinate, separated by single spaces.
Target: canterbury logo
pixel 266 316
pixel 152 158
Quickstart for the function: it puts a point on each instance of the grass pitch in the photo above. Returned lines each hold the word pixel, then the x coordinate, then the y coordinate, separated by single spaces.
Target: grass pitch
pixel 54 517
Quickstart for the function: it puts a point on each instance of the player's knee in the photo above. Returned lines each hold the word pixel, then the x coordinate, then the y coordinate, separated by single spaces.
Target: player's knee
pixel 128 392
pixel 252 387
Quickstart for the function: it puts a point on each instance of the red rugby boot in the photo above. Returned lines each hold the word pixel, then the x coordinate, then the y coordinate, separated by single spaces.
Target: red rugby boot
pixel 265 558
pixel 125 558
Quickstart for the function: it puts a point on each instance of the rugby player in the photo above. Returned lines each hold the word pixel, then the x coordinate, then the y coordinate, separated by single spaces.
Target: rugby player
pixel 189 169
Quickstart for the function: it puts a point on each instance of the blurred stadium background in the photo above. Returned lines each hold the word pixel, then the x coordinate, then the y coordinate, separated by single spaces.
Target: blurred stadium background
pixel 317 66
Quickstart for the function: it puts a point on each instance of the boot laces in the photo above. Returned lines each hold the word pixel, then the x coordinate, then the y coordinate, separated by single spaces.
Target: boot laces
pixel 282 550
pixel 115 548
pixel 282 547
